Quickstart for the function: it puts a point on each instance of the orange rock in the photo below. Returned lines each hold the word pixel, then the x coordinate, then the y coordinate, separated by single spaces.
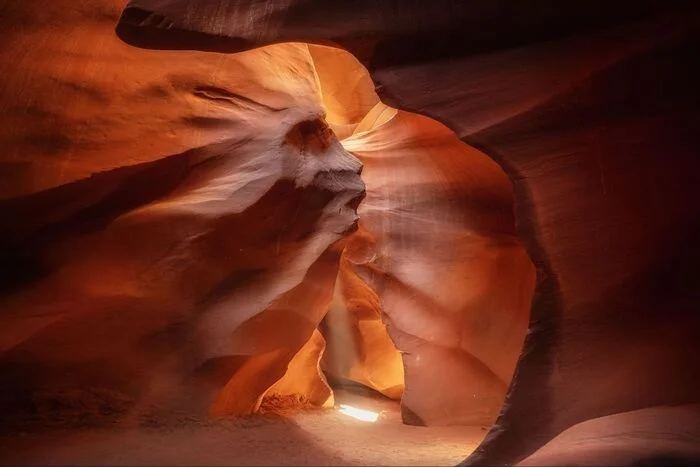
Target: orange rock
pixel 185 241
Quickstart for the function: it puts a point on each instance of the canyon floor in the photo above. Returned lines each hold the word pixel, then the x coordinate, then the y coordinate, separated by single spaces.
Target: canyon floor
pixel 319 437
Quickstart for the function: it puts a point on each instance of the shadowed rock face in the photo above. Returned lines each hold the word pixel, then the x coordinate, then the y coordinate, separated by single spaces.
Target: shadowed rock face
pixel 178 222
pixel 178 239
pixel 592 111
pixel 173 241
pixel 650 436
pixel 435 270
pixel 438 247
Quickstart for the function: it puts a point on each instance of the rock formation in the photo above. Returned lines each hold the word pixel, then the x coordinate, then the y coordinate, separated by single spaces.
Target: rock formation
pixel 183 237
pixel 173 222
pixel 592 111
pixel 453 280
pixel 185 228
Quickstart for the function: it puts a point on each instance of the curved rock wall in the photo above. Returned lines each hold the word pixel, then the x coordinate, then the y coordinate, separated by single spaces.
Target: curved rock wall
pixel 172 222
pixel 455 283
pixel 592 111
pixel 163 208
pixel 186 226
pixel 436 261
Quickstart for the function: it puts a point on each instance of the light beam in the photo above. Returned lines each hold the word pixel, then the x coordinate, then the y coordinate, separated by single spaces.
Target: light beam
pixel 359 414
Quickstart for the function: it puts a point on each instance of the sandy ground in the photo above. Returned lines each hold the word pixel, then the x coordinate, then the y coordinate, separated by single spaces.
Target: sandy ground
pixel 307 438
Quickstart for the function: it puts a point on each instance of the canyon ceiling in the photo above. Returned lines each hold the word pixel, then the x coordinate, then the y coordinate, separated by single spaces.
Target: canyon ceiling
pixel 486 210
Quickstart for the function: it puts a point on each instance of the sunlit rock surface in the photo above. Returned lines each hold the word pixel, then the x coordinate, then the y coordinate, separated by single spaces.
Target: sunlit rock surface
pixel 171 221
pixel 177 222
pixel 454 282
pixel 359 348
pixel 184 235
pixel 592 110
pixel 436 262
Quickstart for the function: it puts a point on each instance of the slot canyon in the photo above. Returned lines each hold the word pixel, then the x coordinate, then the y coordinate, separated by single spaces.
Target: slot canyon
pixel 379 232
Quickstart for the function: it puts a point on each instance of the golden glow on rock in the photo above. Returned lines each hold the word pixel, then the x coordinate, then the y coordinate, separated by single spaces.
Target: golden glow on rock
pixel 234 252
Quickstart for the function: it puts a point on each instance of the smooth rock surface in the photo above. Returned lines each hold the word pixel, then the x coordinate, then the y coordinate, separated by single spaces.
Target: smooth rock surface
pixel 173 242
pixel 454 282
pixel 592 110
pixel 179 253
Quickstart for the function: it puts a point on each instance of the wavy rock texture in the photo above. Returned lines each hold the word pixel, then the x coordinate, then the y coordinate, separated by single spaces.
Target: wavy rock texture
pixel 178 239
pixel 592 110
pixel 435 262
pixel 454 282
pixel 173 222
pixel 360 349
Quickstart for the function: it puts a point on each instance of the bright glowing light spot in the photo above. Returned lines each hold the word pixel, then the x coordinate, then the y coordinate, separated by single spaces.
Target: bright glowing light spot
pixel 359 414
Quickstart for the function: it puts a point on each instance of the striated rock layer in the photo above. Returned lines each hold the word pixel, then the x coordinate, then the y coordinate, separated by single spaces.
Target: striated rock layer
pixel 172 222
pixel 439 248
pixel 435 261
pixel 182 235
pixel 592 110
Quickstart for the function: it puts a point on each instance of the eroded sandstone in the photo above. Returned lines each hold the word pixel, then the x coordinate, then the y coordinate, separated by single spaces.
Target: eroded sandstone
pixel 191 267
pixel 592 111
